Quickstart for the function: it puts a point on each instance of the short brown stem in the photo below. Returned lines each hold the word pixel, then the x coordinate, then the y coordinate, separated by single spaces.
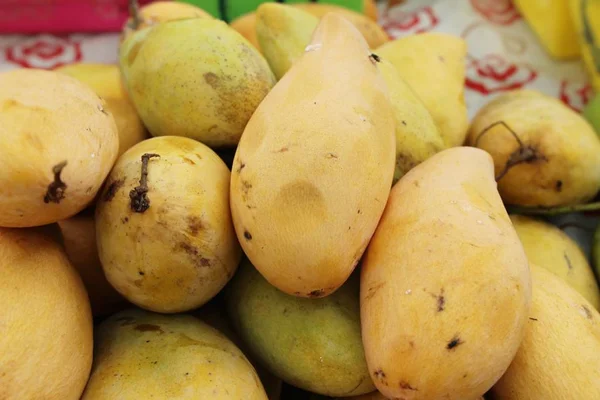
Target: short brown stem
pixel 139 199
pixel 56 189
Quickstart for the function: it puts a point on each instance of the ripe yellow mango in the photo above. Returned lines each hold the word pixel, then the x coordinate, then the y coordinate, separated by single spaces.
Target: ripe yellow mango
pixel 45 319
pixel 314 344
pixel 551 248
pixel 163 225
pixel 552 23
pixel 558 358
pixel 105 80
pixel 299 222
pixel 433 64
pixel 196 78
pixel 161 11
pixel 445 285
pixel 142 355
pixel 283 33
pixel 58 141
pixel 545 154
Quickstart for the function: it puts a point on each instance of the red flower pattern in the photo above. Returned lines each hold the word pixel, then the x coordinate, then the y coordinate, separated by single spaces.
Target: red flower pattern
pixel 575 94
pixel 501 12
pixel 46 52
pixel 493 74
pixel 418 21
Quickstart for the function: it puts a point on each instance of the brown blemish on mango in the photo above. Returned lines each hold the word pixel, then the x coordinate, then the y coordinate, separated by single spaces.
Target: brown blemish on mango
pixel 372 290
pixel 195 224
pixel 195 254
pixel 407 386
pixel 112 190
pixel 211 79
pixel 187 160
pixel 586 310
pixel 148 328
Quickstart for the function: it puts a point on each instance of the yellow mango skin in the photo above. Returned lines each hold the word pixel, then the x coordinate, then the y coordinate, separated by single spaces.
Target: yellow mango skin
pixel 376 396
pixel 417 136
pixel 79 239
pixel 142 355
pixel 291 166
pixel 46 119
pixel 180 252
pixel 586 15
pixel 558 358
pixel 372 32
pixel 433 65
pixel 445 287
pixel 567 167
pixel 105 80
pixel 283 33
pixel 45 321
pixel 246 26
pixel 163 11
pixel 551 21
pixel 313 344
pixel 551 248
pixel 220 80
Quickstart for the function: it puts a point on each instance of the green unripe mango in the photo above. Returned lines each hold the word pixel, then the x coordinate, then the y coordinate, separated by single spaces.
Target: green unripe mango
pixel 196 78
pixel 313 344
pixel 592 113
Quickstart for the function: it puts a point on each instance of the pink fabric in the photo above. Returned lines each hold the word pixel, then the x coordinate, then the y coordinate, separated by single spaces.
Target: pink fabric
pixel 62 16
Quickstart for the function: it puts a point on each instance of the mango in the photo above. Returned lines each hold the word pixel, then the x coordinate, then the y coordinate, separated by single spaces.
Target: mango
pixel 58 144
pixel 45 319
pixel 163 225
pixel 79 239
pixel 417 136
pixel 143 355
pixel 291 167
pixel 283 33
pixel 105 81
pixel 551 248
pixel 158 12
pixel 196 78
pixel 558 358
pixel 313 344
pixel 545 154
pixel 433 64
pixel 445 285
pixel 585 15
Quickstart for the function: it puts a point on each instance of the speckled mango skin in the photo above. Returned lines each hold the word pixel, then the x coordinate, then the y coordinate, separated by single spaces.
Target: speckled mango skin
pixel 142 355
pixel 558 357
pixel 314 344
pixel 48 119
pixel 566 169
pixel 299 222
pixel 180 252
pixel 549 247
pixel 220 79
pixel 445 284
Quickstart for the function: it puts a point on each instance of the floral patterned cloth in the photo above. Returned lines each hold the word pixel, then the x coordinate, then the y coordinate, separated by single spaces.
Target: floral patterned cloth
pixel 503 54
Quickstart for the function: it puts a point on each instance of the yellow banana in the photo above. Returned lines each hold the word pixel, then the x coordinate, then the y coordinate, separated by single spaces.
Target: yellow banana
pixel 552 23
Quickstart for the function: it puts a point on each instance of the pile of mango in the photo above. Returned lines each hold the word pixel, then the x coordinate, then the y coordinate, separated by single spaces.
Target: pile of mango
pixel 225 218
